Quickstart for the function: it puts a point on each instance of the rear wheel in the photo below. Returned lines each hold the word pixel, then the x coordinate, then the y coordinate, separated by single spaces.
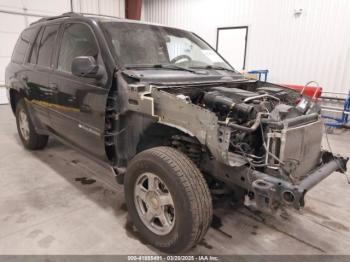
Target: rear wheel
pixel 29 137
pixel 168 199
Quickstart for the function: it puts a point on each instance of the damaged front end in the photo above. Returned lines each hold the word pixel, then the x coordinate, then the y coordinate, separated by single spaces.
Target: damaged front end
pixel 265 139
pixel 270 192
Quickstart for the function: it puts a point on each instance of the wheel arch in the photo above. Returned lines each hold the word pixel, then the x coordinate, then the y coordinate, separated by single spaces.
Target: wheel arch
pixel 157 134
pixel 162 135
pixel 15 96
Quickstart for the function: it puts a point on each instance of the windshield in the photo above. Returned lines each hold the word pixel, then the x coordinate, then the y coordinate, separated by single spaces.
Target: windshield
pixel 142 44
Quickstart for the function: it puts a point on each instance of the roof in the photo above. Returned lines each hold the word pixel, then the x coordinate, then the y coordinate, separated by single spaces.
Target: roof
pixel 71 15
pixel 96 17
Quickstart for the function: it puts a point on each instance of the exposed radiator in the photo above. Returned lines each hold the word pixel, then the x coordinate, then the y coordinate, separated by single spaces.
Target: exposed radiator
pixel 298 148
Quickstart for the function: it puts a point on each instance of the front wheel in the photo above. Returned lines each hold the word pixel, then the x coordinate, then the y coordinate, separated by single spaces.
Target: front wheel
pixel 168 199
pixel 29 137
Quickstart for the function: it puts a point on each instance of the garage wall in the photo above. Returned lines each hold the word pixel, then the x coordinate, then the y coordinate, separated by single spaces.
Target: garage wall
pixel 103 7
pixel 314 45
pixel 13 21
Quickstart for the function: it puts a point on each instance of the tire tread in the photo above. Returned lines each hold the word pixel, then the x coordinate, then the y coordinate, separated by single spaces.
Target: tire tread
pixel 196 189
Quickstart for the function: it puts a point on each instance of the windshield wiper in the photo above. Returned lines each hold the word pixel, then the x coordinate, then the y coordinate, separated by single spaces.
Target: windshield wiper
pixel 162 66
pixel 215 68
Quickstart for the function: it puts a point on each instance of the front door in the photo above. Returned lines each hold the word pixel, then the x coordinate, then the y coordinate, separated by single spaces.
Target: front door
pixel 79 112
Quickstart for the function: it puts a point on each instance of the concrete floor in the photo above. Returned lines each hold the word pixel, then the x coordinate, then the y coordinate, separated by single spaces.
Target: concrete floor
pixel 51 204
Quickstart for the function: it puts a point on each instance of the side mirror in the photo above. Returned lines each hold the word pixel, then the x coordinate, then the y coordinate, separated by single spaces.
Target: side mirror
pixel 85 66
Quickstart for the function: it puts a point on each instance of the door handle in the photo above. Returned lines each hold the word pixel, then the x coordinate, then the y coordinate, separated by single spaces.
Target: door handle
pixel 24 78
pixel 85 108
pixel 53 87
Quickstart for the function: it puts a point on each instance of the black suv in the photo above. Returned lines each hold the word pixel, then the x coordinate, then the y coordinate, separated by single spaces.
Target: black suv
pixel 175 122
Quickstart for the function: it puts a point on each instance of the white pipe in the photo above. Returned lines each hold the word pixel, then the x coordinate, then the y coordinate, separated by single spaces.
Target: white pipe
pixel 335 111
pixel 21 13
pixel 333 107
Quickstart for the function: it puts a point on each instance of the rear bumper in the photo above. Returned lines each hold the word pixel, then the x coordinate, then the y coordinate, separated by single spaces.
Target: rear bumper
pixel 270 192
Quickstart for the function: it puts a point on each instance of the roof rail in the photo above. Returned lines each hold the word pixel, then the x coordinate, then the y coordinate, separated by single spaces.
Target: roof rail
pixel 68 14
pixel 109 16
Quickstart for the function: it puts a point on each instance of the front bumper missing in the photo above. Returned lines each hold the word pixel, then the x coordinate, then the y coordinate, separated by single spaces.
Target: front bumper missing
pixel 270 192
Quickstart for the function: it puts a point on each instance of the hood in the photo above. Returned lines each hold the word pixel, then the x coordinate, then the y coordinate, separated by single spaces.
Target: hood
pixel 168 76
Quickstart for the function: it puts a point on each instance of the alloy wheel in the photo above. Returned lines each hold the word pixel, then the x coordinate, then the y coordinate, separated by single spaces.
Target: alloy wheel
pixel 154 204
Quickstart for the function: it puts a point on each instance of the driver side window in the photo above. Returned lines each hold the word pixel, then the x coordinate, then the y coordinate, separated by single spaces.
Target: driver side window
pixel 177 46
pixel 77 40
pixel 183 47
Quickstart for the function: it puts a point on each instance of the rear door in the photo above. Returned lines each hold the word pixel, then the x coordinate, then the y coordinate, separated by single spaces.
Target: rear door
pixel 38 67
pixel 79 112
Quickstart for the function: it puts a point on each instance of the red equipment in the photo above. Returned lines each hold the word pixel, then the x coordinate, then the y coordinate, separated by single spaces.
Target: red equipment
pixel 310 91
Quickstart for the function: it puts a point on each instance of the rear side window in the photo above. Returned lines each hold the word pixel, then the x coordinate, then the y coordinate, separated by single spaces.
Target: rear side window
pixel 24 41
pixel 47 45
pixel 77 40
pixel 34 52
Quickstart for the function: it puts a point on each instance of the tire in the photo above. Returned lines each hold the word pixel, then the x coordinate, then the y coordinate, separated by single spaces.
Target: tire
pixel 29 137
pixel 177 175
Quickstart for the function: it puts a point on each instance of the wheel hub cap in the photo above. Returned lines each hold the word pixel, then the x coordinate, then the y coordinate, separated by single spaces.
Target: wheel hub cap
pixel 153 199
pixel 23 124
pixel 154 204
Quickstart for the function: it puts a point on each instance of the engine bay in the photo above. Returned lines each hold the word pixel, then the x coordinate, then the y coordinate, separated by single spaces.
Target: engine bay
pixel 260 119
